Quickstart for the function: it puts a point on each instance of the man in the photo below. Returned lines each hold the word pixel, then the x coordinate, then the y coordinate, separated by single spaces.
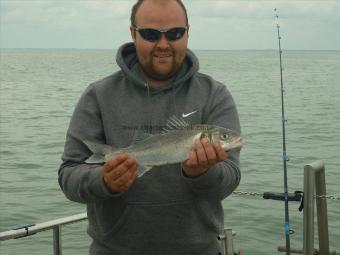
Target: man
pixel 172 209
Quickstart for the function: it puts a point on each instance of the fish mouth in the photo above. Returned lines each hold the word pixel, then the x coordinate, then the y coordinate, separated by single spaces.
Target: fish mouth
pixel 236 143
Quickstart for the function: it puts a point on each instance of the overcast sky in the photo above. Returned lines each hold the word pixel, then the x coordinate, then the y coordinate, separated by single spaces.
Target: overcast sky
pixel 215 24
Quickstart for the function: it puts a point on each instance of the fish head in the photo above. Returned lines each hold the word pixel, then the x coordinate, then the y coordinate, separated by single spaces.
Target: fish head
pixel 228 139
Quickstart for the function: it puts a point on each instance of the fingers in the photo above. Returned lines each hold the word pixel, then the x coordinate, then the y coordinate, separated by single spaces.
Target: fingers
pixel 205 152
pixel 120 172
pixel 124 182
pixel 192 160
pixel 203 156
pixel 116 161
pixel 220 152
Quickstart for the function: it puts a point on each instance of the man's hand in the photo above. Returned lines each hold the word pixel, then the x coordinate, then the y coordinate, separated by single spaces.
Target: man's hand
pixel 203 156
pixel 120 172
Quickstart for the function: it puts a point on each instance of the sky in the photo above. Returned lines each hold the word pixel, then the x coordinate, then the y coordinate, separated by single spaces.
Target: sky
pixel 214 24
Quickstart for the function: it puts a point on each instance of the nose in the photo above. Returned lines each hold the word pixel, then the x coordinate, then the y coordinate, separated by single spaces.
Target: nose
pixel 163 42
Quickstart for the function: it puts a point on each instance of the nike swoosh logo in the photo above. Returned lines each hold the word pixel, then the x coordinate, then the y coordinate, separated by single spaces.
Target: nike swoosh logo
pixel 184 115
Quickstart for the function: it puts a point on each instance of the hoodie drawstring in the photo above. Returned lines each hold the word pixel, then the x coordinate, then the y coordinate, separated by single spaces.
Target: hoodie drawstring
pixel 148 110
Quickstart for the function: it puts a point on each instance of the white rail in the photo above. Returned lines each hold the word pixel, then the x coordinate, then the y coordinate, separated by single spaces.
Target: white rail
pixel 315 182
pixel 314 186
pixel 54 225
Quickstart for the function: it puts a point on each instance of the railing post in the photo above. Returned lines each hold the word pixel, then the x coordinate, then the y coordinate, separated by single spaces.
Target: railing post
pixel 308 211
pixel 321 206
pixel 223 244
pixel 57 240
pixel 227 241
pixel 314 182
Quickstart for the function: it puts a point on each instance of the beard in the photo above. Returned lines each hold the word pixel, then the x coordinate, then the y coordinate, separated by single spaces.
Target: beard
pixel 150 68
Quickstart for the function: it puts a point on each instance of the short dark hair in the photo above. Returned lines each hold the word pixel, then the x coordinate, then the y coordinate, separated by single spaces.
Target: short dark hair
pixel 136 6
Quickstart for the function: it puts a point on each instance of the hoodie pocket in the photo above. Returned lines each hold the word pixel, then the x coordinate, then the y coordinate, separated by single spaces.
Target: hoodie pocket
pixel 106 217
pixel 169 226
pixel 211 214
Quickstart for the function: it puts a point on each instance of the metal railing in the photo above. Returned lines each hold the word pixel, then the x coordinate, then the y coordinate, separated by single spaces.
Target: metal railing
pixel 314 186
pixel 54 225
pixel 315 181
pixel 227 241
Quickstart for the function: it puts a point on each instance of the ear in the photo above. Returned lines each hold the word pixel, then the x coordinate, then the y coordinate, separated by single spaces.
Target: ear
pixel 188 30
pixel 133 33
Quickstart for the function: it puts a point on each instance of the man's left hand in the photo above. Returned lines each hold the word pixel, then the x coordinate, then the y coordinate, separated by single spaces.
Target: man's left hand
pixel 203 156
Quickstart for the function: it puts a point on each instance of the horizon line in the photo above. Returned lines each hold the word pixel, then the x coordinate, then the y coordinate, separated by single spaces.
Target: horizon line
pixel 71 48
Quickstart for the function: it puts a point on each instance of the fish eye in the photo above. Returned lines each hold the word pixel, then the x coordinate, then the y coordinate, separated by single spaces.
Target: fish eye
pixel 224 136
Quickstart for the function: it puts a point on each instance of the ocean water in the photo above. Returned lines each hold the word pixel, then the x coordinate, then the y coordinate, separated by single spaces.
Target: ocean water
pixel 38 92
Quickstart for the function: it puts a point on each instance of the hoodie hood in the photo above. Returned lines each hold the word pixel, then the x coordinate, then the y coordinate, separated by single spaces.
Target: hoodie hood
pixel 127 60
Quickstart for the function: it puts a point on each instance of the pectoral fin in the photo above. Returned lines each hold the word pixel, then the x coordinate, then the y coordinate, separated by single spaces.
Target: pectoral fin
pixel 141 170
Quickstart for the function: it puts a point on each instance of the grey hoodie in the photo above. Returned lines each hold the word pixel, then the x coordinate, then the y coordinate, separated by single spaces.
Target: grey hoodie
pixel 164 212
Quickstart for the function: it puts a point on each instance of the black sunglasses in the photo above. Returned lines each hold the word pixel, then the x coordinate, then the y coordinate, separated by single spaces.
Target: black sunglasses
pixel 153 35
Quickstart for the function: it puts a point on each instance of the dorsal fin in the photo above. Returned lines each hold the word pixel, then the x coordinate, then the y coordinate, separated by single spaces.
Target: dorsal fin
pixel 175 123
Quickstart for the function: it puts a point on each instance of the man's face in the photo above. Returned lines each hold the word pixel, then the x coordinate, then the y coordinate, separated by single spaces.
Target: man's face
pixel 160 60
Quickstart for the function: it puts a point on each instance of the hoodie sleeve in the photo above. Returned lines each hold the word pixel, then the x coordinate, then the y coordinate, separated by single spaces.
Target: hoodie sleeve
pixel 82 182
pixel 223 178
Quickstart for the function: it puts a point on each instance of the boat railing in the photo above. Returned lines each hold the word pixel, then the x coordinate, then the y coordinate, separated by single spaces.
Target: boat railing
pixel 315 183
pixel 56 227
pixel 314 187
pixel 226 239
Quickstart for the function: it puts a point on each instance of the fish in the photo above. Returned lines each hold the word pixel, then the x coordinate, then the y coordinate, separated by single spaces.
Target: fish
pixel 171 146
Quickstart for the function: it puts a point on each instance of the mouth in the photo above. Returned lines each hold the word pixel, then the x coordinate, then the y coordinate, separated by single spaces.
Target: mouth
pixel 162 55
pixel 163 59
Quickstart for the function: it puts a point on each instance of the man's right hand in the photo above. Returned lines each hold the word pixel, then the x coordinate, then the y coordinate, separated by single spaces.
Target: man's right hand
pixel 119 173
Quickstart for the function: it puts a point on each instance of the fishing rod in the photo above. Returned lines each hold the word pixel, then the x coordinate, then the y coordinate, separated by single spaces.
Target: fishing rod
pixel 285 155
pixel 285 196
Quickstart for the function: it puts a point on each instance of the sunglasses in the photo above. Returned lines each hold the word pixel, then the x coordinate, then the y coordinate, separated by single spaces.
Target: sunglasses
pixel 153 35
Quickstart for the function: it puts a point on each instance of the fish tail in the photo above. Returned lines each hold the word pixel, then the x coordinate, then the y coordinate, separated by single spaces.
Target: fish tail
pixel 99 151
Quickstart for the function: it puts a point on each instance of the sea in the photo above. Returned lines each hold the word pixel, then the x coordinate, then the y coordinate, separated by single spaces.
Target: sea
pixel 39 90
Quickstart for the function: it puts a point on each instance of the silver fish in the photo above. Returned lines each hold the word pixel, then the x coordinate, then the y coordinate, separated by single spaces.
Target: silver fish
pixel 171 146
